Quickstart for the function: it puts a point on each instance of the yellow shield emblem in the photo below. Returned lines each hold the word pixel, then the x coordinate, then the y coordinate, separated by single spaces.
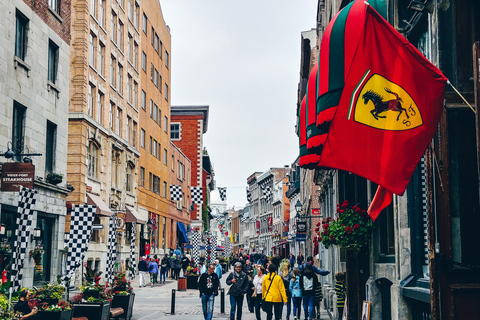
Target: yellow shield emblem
pixel 385 105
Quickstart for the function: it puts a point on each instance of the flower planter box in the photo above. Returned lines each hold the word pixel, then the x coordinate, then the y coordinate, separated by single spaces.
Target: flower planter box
pixel 192 282
pixel 54 315
pixel 94 310
pixel 126 303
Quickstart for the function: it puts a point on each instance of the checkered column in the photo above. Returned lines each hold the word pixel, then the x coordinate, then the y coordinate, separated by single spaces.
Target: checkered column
pixel 132 263
pixel 111 248
pixel 213 249
pixel 196 247
pixel 26 205
pixel 228 247
pixel 79 236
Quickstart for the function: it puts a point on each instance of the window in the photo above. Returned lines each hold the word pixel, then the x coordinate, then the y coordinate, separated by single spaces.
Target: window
pixel 144 98
pixel 144 61
pixel 153 36
pixel 151 145
pixel 112 110
pixel 160 50
pixel 135 92
pixel 120 79
pixel 129 124
pixel 21 36
pixel 142 138
pixel 101 59
pixel 134 134
pixel 101 13
pixel 92 51
pixel 155 112
pixel 144 27
pixel 164 189
pixel 114 27
pixel 100 99
pixel 50 147
pixel 130 48
pixel 173 162
pixel 135 55
pixel 115 169
pixel 166 91
pixel 155 152
pixel 156 42
pixel 136 10
pixel 52 61
pixel 150 181
pixel 142 176
pixel 120 35
pixel 160 83
pixel 167 59
pixel 128 185
pixel 93 6
pixel 129 88
pixel 91 97
pixel 151 108
pixel 54 5
pixel 159 117
pixel 118 122
pixel 130 10
pixel 155 78
pixel 175 131
pixel 151 71
pixel 156 184
pixel 113 76
pixel 92 158
pixel 165 124
pixel 165 156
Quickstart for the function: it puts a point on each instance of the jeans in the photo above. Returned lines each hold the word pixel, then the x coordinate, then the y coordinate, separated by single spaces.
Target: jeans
pixel 258 305
pixel 163 272
pixel 340 312
pixel 277 308
pixel 308 305
pixel 236 304
pixel 289 307
pixel 142 277
pixel 207 306
pixel 297 306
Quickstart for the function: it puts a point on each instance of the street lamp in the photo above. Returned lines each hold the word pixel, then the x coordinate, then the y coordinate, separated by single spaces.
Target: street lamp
pixel 298 207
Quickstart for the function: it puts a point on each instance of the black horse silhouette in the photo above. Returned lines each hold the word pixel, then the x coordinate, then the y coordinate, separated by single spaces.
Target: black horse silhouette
pixel 382 106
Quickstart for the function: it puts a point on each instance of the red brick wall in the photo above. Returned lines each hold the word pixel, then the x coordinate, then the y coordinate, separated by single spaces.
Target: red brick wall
pixel 60 27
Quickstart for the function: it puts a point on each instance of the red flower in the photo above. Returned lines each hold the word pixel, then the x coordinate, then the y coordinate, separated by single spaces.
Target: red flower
pixel 348 229
pixel 318 224
pixel 325 232
pixel 332 237
pixel 320 239
pixel 356 226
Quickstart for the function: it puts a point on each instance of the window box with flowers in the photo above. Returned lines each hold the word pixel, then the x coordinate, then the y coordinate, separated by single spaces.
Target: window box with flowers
pixel 351 229
pixel 37 254
pixel 93 302
pixel 48 300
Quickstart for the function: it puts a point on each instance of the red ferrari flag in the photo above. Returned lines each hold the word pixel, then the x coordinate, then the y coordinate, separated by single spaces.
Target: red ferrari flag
pixel 388 112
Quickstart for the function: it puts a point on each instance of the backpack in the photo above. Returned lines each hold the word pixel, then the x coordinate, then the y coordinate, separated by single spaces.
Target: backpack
pixel 307 284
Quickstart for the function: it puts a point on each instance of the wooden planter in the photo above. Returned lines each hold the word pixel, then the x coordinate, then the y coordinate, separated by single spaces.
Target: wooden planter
pixel 54 315
pixel 192 282
pixel 126 303
pixel 92 310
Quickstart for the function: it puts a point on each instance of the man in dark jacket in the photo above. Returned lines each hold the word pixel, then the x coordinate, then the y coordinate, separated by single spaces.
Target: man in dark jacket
pixel 315 269
pixel 185 263
pixel 208 287
pixel 238 281
pixel 143 271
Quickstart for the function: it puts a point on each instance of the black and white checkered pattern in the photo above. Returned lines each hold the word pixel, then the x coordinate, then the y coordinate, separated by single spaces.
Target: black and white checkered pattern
pixel 196 247
pixel 26 205
pixel 249 195
pixel 267 191
pixel 243 219
pixel 111 249
pixel 213 249
pixel 228 247
pixel 132 263
pixel 197 194
pixel 79 236
pixel 175 192
pixel 223 193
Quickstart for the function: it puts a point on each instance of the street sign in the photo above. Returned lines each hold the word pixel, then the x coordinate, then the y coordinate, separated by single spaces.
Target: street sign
pixel 301 237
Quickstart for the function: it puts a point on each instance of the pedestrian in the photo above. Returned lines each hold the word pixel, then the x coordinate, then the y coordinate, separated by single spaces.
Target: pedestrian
pixel 238 281
pixel 172 266
pixel 257 293
pixel 168 265
pixel 340 291
pixel 315 269
pixel 22 305
pixel 300 259
pixel 318 300
pixel 163 269
pixel 286 277
pixel 153 270
pixel 273 293
pixel 158 266
pixel 185 263
pixel 208 287
pixel 142 271
pixel 296 293
pixel 178 265
pixel 248 269
pixel 291 259
pixel 201 268
pixel 178 253
pixel 218 269
pixel 308 283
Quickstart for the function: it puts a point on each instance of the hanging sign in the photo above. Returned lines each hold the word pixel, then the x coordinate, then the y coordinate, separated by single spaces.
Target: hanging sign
pixel 15 174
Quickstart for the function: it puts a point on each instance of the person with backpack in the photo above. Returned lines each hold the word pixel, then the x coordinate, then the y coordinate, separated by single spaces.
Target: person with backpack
pixel 296 293
pixel 153 270
pixel 163 269
pixel 309 261
pixel 286 276
pixel 308 283
pixel 238 281
pixel 273 293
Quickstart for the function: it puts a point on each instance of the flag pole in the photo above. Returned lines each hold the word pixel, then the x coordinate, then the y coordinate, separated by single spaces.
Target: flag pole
pixel 463 98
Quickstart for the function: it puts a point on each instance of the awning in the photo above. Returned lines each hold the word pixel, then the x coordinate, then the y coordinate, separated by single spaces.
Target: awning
pixel 181 233
pixel 133 216
pixel 102 208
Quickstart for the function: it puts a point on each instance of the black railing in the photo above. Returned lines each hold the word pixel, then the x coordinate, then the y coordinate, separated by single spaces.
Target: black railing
pixel 420 310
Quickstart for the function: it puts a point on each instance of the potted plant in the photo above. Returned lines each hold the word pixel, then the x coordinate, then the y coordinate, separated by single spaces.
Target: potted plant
pixel 48 300
pixel 4 306
pixel 93 302
pixel 54 178
pixel 5 250
pixel 123 296
pixel 37 254
pixel 92 276
pixel 192 277
pixel 351 229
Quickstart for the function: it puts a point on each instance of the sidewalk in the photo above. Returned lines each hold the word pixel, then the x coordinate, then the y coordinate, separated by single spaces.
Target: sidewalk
pixel 151 303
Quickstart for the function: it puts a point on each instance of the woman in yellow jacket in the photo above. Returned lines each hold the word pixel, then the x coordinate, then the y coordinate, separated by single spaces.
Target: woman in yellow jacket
pixel 273 293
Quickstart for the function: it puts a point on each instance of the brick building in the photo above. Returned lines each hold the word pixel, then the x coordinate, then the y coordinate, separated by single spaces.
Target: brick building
pixel 188 124
pixel 103 153
pixel 154 113
pixel 34 94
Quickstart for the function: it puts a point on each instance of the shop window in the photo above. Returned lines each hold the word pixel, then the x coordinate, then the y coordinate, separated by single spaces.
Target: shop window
pixel 18 129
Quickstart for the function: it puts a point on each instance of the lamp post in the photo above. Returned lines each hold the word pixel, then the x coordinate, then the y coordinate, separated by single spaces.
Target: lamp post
pixel 302 216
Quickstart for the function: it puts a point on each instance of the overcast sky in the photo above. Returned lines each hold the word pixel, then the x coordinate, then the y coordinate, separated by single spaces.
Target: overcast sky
pixel 242 58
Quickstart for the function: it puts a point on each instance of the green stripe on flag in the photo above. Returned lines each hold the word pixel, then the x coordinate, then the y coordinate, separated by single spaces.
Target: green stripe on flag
pixel 354 93
pixel 328 100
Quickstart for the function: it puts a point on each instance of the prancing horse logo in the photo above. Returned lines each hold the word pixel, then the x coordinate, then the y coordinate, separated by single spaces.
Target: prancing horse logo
pixel 382 106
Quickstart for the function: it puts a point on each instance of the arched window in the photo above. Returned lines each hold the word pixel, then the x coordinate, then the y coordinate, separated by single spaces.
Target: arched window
pixel 92 159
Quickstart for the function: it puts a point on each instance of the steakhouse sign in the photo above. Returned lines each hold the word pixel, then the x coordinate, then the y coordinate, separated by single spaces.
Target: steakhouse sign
pixel 15 174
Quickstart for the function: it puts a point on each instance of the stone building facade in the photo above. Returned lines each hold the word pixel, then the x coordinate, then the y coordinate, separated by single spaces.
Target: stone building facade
pixel 34 95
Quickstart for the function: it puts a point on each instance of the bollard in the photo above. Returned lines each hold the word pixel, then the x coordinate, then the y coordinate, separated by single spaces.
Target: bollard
pixel 222 301
pixel 172 307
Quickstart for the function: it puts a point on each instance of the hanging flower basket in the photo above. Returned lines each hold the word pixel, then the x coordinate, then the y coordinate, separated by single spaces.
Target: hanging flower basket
pixel 351 229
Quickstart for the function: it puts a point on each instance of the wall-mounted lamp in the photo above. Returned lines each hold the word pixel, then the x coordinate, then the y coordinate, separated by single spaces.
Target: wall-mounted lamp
pixel 3 230
pixel 37 234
